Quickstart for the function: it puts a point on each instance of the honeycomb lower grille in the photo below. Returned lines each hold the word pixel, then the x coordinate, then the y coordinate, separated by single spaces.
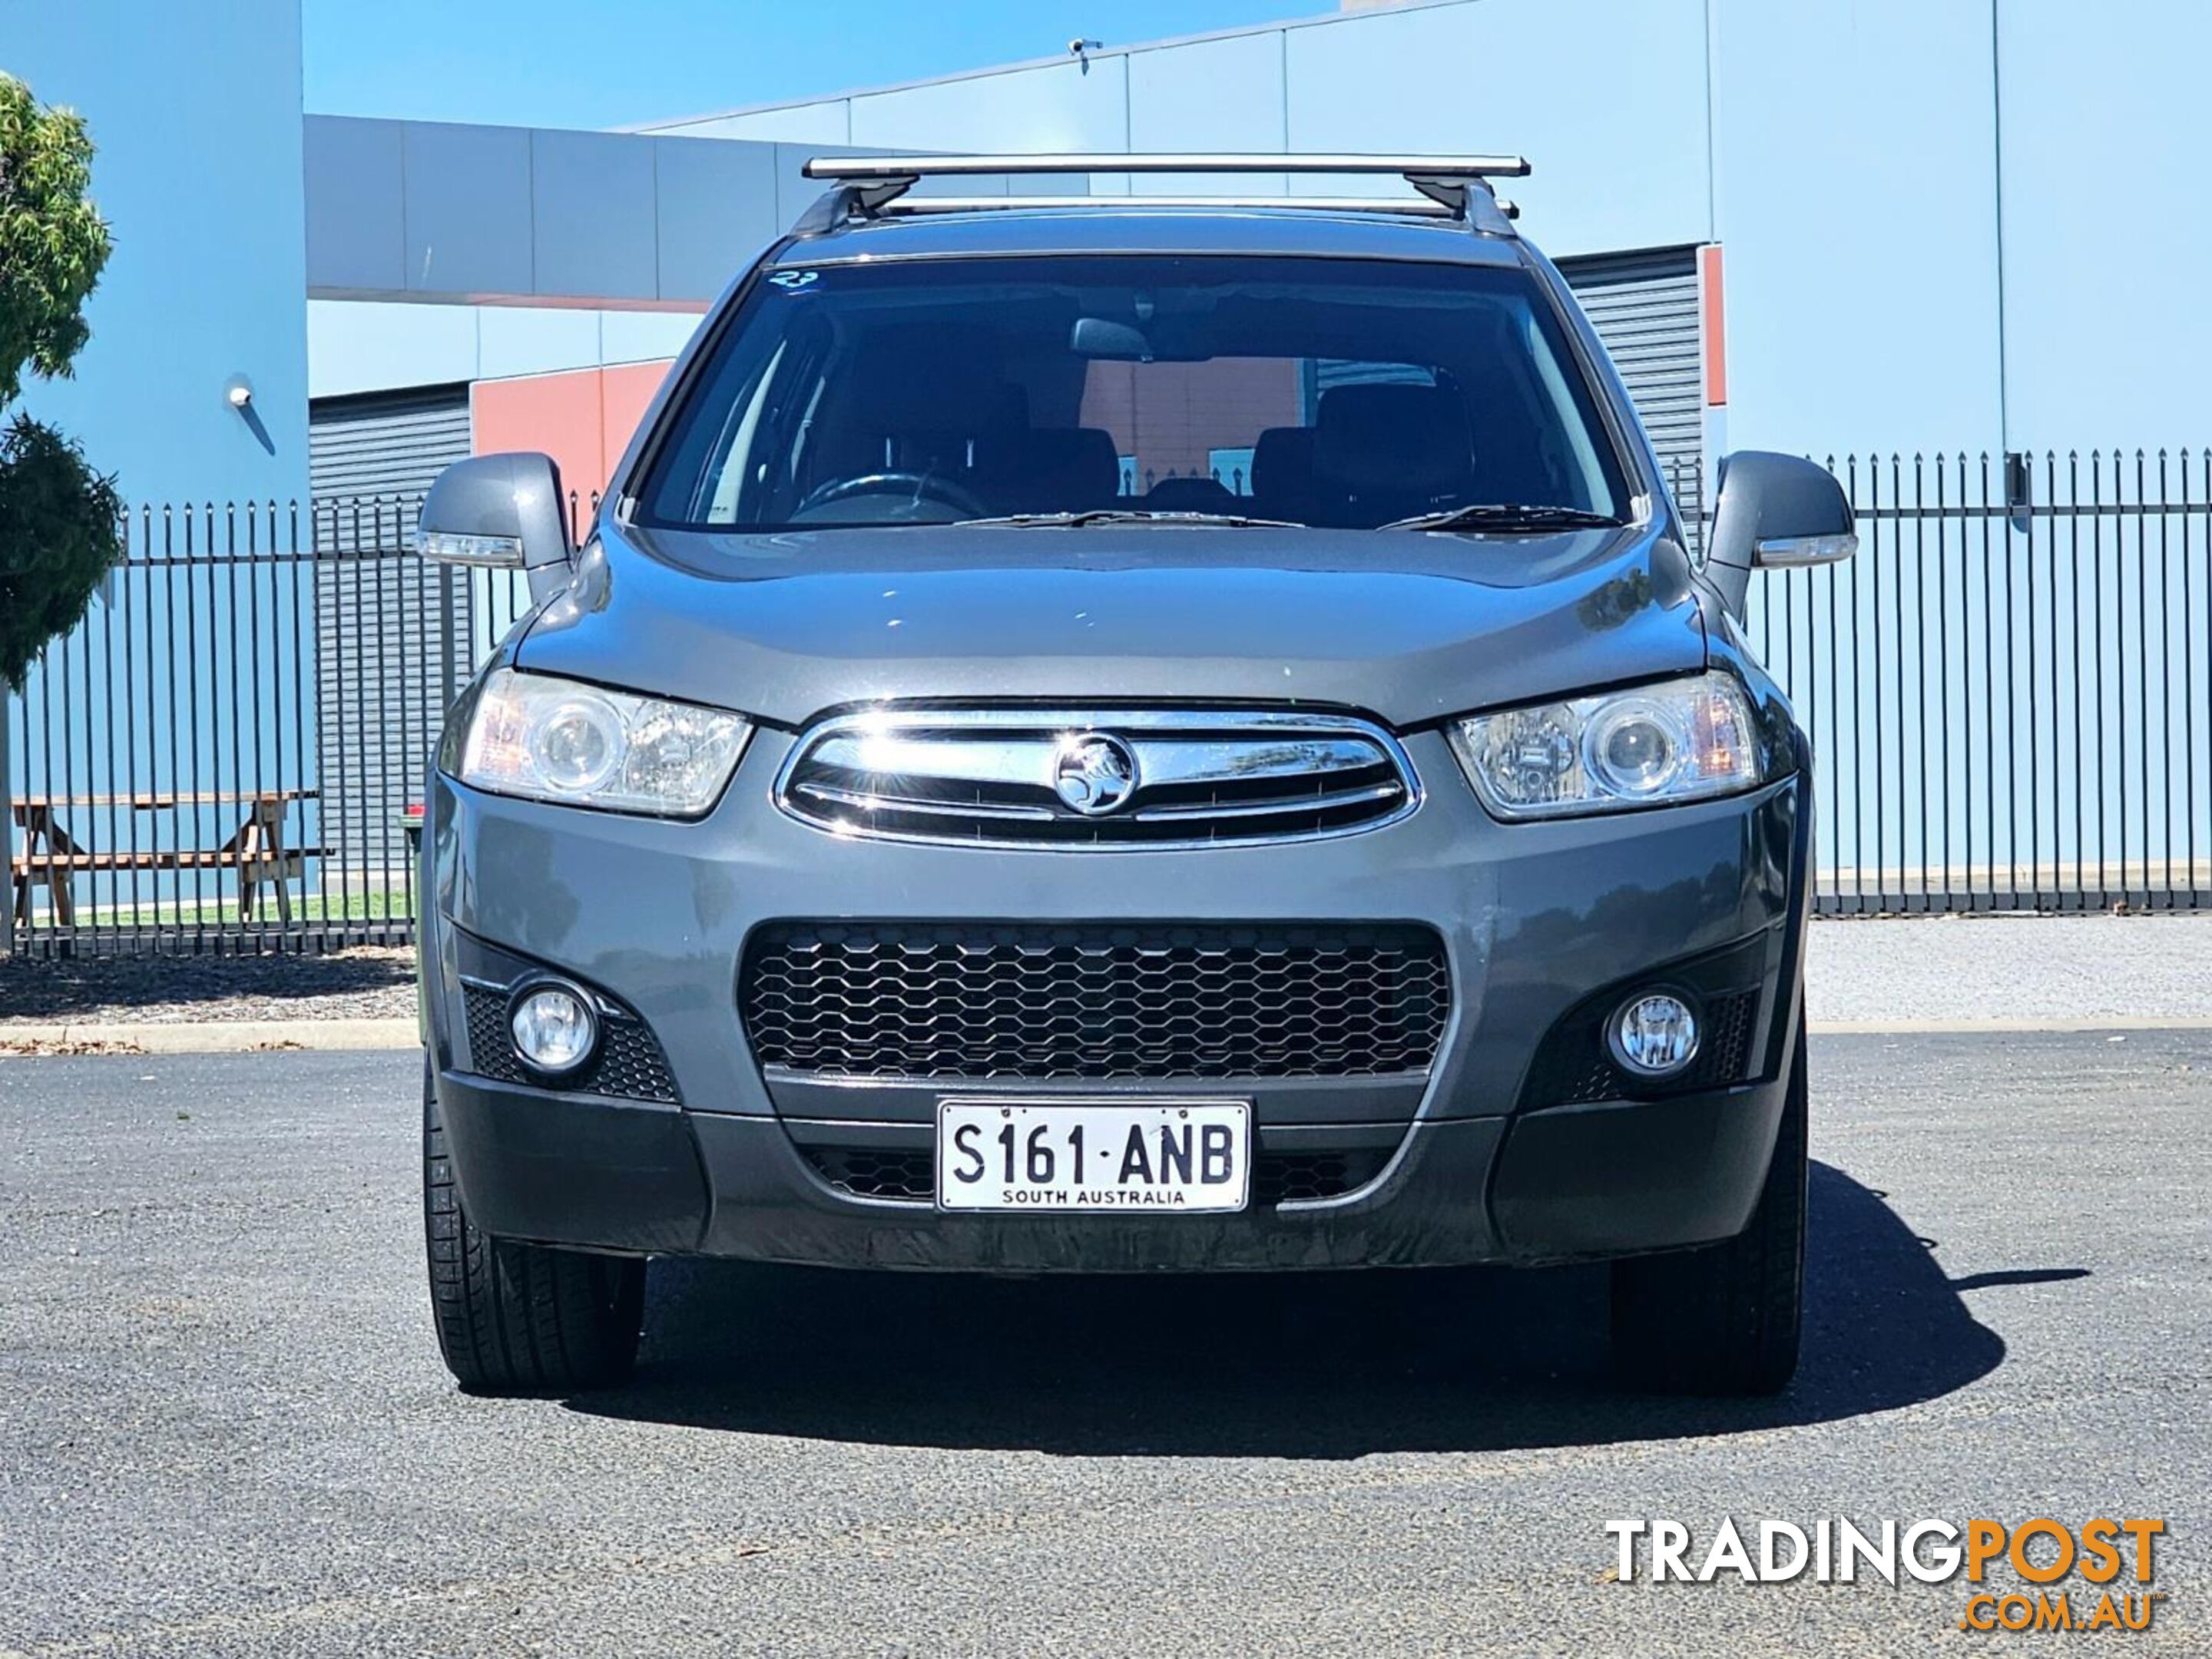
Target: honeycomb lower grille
pixel 1289 1177
pixel 973 1002
pixel 629 1066
pixel 905 1175
pixel 909 1174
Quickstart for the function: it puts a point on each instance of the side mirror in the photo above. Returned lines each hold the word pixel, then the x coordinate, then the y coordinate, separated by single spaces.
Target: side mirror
pixel 1775 512
pixel 502 513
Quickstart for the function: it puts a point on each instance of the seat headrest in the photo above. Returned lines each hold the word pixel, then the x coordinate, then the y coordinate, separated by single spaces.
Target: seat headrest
pixel 1404 439
pixel 1190 495
pixel 949 381
pixel 1076 465
pixel 1052 469
pixel 1283 459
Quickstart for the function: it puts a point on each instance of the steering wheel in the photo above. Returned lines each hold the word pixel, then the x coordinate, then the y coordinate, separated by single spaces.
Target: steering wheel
pixel 922 486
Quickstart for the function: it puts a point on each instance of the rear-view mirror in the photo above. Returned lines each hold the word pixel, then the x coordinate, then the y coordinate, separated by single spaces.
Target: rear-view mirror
pixel 1104 337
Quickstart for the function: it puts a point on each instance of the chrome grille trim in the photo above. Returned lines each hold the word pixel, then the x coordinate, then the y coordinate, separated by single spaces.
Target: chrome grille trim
pixel 1326 802
pixel 1206 777
pixel 831 796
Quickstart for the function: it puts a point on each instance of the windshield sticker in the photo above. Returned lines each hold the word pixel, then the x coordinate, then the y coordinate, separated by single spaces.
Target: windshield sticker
pixel 796 281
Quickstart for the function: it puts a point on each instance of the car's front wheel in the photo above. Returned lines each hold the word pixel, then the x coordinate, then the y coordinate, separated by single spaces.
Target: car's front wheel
pixel 517 1318
pixel 1724 1318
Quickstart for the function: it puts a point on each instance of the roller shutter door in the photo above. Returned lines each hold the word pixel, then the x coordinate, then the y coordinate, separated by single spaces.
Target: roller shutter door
pixel 1644 307
pixel 381 660
pixel 387 443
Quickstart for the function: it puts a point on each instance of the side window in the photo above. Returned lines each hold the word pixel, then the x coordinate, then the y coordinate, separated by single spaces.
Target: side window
pixel 741 467
pixel 725 480
pixel 1232 469
pixel 1580 483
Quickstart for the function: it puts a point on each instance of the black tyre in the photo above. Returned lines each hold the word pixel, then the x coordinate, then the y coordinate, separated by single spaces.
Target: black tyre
pixel 521 1318
pixel 1725 1319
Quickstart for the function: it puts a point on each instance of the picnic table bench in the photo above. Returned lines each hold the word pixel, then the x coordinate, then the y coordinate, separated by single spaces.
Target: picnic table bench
pixel 255 849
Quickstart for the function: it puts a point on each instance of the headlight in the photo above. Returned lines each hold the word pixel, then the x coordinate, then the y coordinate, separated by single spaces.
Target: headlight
pixel 1686 740
pixel 558 740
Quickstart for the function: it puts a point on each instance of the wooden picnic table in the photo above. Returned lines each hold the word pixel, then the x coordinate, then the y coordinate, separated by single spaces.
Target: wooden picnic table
pixel 51 855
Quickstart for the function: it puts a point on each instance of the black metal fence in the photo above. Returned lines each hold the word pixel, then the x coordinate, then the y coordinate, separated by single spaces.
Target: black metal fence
pixel 222 756
pixel 2009 693
pixel 2007 690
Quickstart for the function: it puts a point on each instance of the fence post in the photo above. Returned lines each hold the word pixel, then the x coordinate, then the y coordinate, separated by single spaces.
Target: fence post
pixel 449 668
pixel 7 827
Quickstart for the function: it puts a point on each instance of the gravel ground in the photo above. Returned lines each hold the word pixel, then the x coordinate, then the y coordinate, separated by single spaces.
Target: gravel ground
pixel 1947 968
pixel 2011 967
pixel 364 984
pixel 224 1430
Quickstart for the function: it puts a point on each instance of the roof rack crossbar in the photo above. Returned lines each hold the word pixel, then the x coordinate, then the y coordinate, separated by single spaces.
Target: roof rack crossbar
pixel 1413 206
pixel 1457 184
pixel 940 167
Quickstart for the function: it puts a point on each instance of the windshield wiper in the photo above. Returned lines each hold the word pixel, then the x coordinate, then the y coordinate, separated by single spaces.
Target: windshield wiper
pixel 1506 515
pixel 1113 515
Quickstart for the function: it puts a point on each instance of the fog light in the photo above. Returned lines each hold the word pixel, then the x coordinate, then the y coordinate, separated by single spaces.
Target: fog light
pixel 1654 1035
pixel 555 1029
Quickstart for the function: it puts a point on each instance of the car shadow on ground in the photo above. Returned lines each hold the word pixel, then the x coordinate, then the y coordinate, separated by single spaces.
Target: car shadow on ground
pixel 1322 1365
pixel 96 987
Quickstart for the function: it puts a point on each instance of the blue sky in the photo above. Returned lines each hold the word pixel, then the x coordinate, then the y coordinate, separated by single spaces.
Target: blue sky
pixel 614 63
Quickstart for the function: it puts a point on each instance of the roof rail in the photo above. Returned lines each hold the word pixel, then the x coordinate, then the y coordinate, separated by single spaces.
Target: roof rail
pixel 1451 186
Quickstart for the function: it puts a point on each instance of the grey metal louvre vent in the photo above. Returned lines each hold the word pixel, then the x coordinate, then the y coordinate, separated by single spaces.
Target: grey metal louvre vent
pixel 1098 778
pixel 1644 307
pixel 385 445
pixel 371 460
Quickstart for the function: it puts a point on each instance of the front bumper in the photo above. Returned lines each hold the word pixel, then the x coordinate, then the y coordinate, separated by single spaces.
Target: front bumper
pixel 1534 918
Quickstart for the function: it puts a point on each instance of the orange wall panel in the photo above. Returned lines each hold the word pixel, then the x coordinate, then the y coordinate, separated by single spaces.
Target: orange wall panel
pixel 558 414
pixel 583 418
pixel 625 390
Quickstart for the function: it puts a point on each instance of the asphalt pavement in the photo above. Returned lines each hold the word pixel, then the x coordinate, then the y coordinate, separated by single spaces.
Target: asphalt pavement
pixel 224 1430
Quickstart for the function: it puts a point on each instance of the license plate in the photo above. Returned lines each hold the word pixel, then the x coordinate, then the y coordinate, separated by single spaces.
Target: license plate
pixel 1181 1157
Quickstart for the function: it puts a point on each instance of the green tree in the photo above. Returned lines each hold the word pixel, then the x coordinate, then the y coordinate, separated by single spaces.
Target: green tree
pixel 60 521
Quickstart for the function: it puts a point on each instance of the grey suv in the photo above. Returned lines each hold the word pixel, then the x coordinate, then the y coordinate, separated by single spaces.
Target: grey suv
pixel 1122 735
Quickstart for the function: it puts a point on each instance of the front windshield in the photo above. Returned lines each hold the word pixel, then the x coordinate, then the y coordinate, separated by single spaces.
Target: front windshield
pixel 1349 393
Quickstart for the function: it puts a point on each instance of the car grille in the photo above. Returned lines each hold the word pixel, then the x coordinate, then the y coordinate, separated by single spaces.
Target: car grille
pixel 1574 1065
pixel 909 1174
pixel 961 1000
pixel 903 1175
pixel 1097 779
pixel 628 1065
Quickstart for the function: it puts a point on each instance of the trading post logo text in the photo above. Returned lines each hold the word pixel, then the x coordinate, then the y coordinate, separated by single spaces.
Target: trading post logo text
pixel 2112 1560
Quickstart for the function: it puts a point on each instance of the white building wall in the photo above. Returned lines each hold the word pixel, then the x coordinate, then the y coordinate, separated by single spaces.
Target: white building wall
pixel 196 114
pixel 357 346
pixel 1855 179
pixel 1846 156
pixel 1055 107
pixel 1606 99
pixel 2108 139
pixel 1225 95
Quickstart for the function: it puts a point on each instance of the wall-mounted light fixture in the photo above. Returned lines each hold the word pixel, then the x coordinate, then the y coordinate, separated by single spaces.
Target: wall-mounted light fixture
pixel 238 393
